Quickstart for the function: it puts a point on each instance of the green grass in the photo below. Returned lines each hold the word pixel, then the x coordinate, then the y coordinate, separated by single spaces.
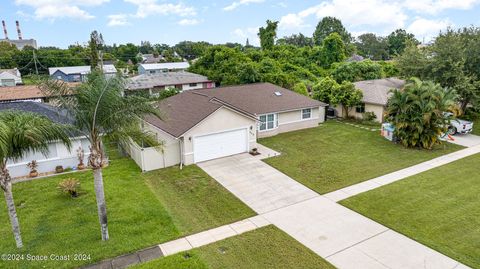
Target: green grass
pixel 335 155
pixel 267 247
pixel 439 208
pixel 195 198
pixel 140 208
pixel 476 127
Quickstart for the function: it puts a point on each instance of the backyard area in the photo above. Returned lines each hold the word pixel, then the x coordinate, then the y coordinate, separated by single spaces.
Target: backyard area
pixel 143 210
pixel 336 155
pixel 439 208
pixel 266 247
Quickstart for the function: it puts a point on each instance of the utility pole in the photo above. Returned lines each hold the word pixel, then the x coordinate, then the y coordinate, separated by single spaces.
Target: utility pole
pixel 35 62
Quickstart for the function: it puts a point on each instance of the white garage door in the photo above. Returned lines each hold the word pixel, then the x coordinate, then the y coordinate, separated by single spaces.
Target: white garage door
pixel 218 145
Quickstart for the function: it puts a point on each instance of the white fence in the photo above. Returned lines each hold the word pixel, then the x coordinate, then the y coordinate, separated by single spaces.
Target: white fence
pixel 149 159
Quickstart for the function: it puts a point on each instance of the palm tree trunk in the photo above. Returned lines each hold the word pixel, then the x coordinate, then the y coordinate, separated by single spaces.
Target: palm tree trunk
pixel 101 204
pixel 6 184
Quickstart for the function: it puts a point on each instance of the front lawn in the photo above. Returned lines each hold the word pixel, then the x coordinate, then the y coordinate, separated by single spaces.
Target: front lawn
pixel 143 210
pixel 476 127
pixel 267 247
pixel 336 155
pixel 439 208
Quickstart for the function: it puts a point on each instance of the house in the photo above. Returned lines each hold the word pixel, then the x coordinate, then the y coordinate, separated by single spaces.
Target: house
pixel 375 97
pixel 154 83
pixel 355 58
pixel 10 77
pixel 58 154
pixel 151 58
pixel 26 93
pixel 162 67
pixel 78 73
pixel 21 43
pixel 211 123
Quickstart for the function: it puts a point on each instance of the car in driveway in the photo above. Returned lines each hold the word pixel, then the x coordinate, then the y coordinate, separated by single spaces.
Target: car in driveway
pixel 458 126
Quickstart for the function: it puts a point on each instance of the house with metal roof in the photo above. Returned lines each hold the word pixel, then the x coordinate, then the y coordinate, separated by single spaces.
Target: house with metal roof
pixel 376 93
pixel 206 124
pixel 155 83
pixel 162 67
pixel 78 73
pixel 10 77
pixel 58 154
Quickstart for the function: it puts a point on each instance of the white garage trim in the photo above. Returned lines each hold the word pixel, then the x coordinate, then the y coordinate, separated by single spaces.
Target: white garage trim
pixel 195 139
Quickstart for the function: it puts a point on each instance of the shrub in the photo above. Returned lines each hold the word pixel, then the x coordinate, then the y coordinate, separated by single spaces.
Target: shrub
pixel 369 116
pixel 70 186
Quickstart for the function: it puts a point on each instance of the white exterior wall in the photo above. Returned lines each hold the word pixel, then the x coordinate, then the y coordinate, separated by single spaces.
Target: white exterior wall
pixel 6 77
pixel 224 119
pixel 59 155
pixel 186 87
pixel 292 120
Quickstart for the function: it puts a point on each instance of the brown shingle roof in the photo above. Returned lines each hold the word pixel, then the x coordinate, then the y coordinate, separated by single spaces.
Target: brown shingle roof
pixel 186 109
pixel 24 92
pixel 377 91
pixel 260 98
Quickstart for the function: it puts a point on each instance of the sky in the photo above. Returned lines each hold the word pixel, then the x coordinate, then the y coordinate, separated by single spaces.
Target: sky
pixel 63 22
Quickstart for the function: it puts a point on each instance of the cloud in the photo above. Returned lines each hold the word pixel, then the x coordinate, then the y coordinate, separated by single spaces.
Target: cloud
pixel 236 4
pixel 382 13
pixel 436 6
pixel 57 9
pixel 147 8
pixel 241 35
pixel 186 22
pixel 118 20
pixel 427 29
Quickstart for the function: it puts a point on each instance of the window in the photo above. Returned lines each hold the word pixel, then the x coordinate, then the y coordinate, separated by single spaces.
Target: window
pixel 360 108
pixel 306 113
pixel 192 84
pixel 268 122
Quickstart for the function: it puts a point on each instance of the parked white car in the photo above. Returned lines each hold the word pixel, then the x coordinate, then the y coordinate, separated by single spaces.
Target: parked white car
pixel 458 126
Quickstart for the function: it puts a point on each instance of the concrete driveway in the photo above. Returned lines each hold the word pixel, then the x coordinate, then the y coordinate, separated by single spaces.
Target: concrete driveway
pixel 466 140
pixel 343 237
pixel 257 184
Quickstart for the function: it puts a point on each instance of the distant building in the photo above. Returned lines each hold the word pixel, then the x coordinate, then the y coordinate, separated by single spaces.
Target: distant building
pixel 27 93
pixel 355 58
pixel 162 67
pixel 155 83
pixel 151 58
pixel 20 43
pixel 10 77
pixel 78 73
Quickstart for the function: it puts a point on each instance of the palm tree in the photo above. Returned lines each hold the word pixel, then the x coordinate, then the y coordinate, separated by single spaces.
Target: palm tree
pixel 20 133
pixel 101 111
pixel 418 112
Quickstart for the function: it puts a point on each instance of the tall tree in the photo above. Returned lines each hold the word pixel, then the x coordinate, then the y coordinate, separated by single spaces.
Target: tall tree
pixel 297 40
pixel 349 97
pixel 333 50
pixel 95 44
pixel 100 112
pixel 414 62
pixel 327 26
pixel 21 133
pixel 371 46
pixel 398 41
pixel 268 35
pixel 417 112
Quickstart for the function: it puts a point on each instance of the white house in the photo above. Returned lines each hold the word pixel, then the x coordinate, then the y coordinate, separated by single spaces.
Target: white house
pixel 10 77
pixel 206 124
pixel 58 153
pixel 162 67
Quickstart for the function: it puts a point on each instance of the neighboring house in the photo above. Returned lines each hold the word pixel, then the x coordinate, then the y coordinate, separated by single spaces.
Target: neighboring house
pixel 78 73
pixel 151 58
pixel 162 67
pixel 355 58
pixel 26 93
pixel 10 77
pixel 211 123
pixel 154 83
pixel 375 97
pixel 58 153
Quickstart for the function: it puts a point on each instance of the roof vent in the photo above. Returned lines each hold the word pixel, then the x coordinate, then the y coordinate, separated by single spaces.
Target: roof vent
pixel 278 93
